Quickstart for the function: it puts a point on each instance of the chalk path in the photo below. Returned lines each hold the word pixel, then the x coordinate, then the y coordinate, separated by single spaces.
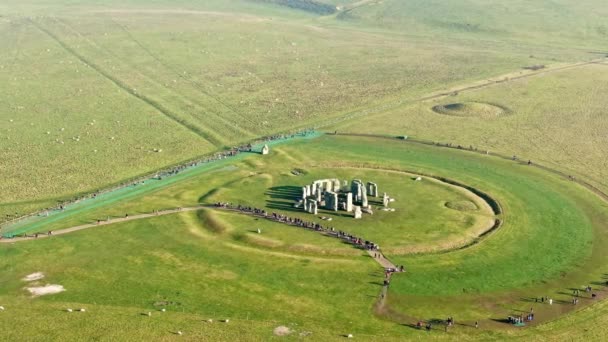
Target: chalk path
pixel 382 260
pixel 101 223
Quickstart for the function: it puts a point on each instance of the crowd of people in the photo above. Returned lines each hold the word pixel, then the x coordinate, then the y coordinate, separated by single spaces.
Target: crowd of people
pixel 298 222
pixel 163 174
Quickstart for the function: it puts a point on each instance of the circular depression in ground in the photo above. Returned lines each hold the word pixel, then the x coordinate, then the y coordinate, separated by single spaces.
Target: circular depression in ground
pixel 471 109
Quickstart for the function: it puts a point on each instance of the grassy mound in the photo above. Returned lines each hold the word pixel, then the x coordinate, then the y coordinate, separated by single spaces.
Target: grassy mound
pixel 462 205
pixel 471 109
pixel 215 265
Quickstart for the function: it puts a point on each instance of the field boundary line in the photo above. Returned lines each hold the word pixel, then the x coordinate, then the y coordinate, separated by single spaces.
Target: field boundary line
pixel 194 83
pixel 173 169
pixel 161 109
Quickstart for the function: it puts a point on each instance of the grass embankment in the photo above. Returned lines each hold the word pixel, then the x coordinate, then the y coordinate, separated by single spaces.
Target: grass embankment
pixel 225 77
pixel 224 268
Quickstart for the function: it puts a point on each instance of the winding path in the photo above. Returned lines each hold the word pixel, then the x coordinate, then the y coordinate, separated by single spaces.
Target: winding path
pixel 98 224
pixel 381 259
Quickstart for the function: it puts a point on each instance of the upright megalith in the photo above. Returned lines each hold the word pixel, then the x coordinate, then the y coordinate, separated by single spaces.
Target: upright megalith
pixel 372 189
pixel 356 189
pixel 265 150
pixel 349 202
pixel 358 212
pixel 334 194
pixel 385 200
pixel 313 207
pixel 318 194
pixel 336 185
pixel 331 201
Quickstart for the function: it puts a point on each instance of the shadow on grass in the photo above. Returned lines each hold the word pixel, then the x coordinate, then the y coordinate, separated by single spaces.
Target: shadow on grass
pixel 530 299
pixel 501 320
pixel 281 205
pixel 292 193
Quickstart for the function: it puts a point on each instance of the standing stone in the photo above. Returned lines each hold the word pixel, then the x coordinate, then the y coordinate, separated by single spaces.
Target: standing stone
pixel 308 191
pixel 313 188
pixel 349 202
pixel 328 186
pixel 355 188
pixel 314 209
pixel 318 194
pixel 327 200
pixel 305 204
pixel 336 185
pixel 331 201
pixel 303 192
pixel 372 189
pixel 385 200
pixel 358 212
pixel 364 203
pixel 265 150
pixel 334 200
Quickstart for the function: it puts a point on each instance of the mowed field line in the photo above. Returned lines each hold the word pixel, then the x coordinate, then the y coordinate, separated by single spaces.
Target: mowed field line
pixel 152 103
pixel 194 83
pixel 211 133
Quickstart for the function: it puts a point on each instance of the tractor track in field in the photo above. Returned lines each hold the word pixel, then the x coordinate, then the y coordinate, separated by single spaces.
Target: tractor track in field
pixel 117 82
pixel 197 85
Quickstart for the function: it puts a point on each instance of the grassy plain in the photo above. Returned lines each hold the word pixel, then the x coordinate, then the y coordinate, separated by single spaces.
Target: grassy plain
pixel 191 77
pixel 555 119
pixel 165 256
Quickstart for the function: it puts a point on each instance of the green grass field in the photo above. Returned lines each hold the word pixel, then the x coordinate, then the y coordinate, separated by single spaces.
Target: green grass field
pixel 91 90
pixel 556 120
pixel 164 254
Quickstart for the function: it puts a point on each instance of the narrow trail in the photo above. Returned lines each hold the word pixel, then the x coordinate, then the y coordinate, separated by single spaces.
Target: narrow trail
pixel 380 259
pixel 27 237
